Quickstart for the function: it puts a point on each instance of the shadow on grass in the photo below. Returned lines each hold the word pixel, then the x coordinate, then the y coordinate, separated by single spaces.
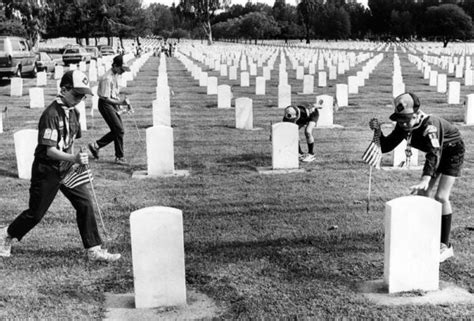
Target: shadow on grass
pixel 246 161
pixel 8 173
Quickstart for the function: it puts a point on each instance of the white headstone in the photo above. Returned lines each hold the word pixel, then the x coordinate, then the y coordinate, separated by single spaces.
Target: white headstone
pixel 72 67
pixel 332 72
pixel 441 83
pixel 16 87
pixel 36 97
pixel 41 79
pixel 232 73
pixel 398 88
pixel 342 95
pixel 284 95
pixel 322 79
pixel 243 113
pixel 212 85
pixel 203 79
pixel 308 84
pixel 158 257
pixel 454 92
pixel 224 70
pixel 433 78
pixel 25 141
pixel 244 79
pixel 160 150
pixel 353 84
pixel 1 122
pixel 326 113
pixel 161 111
pixel 299 72
pixel 469 110
pixel 260 85
pixel 285 139
pixel 224 96
pixel 411 249
pixel 58 72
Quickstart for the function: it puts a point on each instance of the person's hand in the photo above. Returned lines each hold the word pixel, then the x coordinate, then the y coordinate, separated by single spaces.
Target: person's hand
pixel 422 186
pixel 82 158
pixel 374 124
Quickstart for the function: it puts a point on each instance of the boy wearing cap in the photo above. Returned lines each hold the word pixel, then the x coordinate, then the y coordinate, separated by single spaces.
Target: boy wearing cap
pixel 54 156
pixel 110 107
pixel 444 148
pixel 305 115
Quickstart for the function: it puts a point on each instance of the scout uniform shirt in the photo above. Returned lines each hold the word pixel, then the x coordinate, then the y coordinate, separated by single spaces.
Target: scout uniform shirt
pixel 58 127
pixel 307 115
pixel 431 137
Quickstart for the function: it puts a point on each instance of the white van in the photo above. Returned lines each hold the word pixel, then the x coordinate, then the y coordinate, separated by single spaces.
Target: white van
pixel 16 57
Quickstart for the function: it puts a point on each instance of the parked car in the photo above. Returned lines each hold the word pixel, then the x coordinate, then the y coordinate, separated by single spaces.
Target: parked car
pixel 107 51
pixel 16 57
pixel 44 62
pixel 94 51
pixel 75 55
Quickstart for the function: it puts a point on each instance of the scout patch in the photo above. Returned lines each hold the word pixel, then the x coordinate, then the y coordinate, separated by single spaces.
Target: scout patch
pixel 431 131
pixel 47 133
pixel 54 135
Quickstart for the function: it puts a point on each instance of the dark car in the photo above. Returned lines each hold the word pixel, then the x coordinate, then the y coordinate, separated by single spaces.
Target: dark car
pixel 94 52
pixel 16 57
pixel 44 62
pixel 75 55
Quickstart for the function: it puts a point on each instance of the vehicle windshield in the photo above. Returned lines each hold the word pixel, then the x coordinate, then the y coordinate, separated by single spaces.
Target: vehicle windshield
pixel 73 50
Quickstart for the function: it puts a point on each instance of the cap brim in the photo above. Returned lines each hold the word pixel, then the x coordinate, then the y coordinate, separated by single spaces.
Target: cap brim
pixel 125 68
pixel 396 116
pixel 84 91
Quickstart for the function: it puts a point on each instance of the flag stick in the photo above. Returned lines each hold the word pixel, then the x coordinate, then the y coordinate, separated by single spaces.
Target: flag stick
pixel 370 189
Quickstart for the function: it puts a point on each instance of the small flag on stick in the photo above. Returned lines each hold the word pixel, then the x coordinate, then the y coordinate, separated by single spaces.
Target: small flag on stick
pixel 373 153
pixel 77 176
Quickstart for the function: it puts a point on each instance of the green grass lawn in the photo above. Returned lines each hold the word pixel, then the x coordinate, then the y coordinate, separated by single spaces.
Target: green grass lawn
pixel 259 245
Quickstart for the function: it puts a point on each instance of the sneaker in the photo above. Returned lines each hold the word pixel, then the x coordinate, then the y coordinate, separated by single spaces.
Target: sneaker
pixel 94 149
pixel 97 253
pixel 309 158
pixel 445 252
pixel 120 160
pixel 5 243
pixel 301 156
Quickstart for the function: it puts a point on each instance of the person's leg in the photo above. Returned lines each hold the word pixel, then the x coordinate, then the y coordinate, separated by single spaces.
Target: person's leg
pixel 43 190
pixel 85 217
pixel 107 112
pixel 119 132
pixel 442 195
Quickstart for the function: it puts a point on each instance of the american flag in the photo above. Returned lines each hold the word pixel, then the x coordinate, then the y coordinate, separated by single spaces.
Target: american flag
pixel 77 177
pixel 373 153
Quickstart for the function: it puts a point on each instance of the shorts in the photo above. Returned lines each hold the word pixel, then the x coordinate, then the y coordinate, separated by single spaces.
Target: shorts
pixel 452 159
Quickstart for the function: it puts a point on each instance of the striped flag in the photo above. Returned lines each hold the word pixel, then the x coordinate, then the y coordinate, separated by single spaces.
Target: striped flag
pixel 77 177
pixel 373 153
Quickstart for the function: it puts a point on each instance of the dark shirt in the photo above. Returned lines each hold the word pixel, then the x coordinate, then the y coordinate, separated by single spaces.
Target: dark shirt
pixel 57 130
pixel 306 115
pixel 431 137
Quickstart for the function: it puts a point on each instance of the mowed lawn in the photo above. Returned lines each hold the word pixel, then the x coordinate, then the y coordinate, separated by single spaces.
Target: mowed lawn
pixel 259 245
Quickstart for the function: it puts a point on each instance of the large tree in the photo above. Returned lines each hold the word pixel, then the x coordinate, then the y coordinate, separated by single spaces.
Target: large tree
pixel 201 11
pixel 31 13
pixel 307 11
pixel 258 25
pixel 449 22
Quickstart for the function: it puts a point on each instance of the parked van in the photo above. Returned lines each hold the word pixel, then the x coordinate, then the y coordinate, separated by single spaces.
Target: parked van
pixel 16 57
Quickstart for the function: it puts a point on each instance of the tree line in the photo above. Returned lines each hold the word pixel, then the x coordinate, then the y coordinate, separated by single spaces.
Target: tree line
pixel 86 20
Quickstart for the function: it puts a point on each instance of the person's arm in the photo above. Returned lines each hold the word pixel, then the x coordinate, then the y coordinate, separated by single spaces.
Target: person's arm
pixel 392 140
pixel 103 91
pixel 78 158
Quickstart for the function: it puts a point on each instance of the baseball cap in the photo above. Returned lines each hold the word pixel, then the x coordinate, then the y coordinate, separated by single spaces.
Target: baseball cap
pixel 292 114
pixel 118 62
pixel 77 81
pixel 405 107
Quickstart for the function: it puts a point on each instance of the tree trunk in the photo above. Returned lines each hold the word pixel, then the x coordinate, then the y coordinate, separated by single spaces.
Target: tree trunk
pixel 445 43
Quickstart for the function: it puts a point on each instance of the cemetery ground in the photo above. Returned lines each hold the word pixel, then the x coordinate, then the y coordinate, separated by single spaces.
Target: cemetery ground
pixel 261 246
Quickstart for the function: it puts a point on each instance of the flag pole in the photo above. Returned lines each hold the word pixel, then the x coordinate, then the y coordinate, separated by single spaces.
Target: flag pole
pixel 370 189
pixel 89 176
